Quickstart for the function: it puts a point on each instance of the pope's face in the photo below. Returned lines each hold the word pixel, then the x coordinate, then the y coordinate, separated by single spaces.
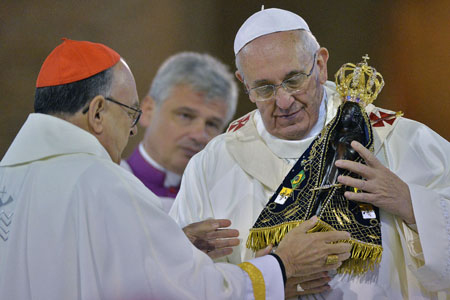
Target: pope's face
pixel 272 58
pixel 181 126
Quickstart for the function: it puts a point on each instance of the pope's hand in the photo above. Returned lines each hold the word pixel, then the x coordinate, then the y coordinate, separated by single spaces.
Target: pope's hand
pixel 210 237
pixel 264 251
pixel 311 284
pixel 381 187
pixel 305 253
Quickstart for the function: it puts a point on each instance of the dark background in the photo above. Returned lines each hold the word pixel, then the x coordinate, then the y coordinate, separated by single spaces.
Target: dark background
pixel 407 41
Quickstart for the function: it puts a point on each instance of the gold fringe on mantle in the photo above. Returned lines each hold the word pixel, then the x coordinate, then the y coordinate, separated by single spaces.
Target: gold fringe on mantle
pixel 364 256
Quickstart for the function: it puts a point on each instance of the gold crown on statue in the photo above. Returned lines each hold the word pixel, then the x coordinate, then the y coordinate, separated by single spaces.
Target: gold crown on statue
pixel 359 83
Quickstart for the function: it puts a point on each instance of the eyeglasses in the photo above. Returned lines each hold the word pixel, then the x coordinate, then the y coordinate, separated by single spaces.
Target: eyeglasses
pixel 290 85
pixel 134 116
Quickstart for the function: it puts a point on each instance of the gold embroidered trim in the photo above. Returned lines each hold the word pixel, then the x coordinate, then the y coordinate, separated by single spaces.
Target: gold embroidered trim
pixel 258 284
pixel 364 256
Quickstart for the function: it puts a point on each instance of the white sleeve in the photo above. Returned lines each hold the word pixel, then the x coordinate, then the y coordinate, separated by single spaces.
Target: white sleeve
pixel 271 272
pixel 138 251
pixel 421 158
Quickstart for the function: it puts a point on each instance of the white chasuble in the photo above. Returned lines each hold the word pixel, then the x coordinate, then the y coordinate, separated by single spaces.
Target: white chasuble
pixel 237 173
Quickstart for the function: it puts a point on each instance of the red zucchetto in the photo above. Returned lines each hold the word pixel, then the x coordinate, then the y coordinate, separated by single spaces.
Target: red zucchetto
pixel 75 60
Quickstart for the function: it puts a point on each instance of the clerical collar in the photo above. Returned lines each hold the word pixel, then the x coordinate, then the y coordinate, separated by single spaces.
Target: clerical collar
pixel 171 179
pixel 287 148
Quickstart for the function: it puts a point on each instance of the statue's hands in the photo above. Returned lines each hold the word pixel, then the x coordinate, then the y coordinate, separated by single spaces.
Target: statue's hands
pixel 211 237
pixel 381 187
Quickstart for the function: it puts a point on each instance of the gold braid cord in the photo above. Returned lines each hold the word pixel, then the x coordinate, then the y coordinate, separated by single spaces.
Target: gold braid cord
pixel 257 279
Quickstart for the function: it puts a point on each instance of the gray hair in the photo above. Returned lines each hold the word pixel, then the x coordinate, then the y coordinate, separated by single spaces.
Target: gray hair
pixel 306 40
pixel 202 73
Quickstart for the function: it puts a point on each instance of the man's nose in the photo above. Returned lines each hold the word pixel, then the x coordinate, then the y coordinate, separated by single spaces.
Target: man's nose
pixel 133 130
pixel 283 98
pixel 199 133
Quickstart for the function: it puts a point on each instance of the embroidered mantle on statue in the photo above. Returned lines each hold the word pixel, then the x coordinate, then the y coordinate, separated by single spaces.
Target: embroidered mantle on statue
pixel 310 189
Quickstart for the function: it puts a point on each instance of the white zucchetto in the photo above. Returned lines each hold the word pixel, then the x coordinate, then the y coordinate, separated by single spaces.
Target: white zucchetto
pixel 265 22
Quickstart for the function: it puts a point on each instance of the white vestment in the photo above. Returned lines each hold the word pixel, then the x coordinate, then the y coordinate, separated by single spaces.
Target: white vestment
pixel 75 225
pixel 237 173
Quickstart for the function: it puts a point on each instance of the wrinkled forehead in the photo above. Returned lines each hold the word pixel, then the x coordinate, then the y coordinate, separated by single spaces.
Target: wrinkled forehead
pixel 272 53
